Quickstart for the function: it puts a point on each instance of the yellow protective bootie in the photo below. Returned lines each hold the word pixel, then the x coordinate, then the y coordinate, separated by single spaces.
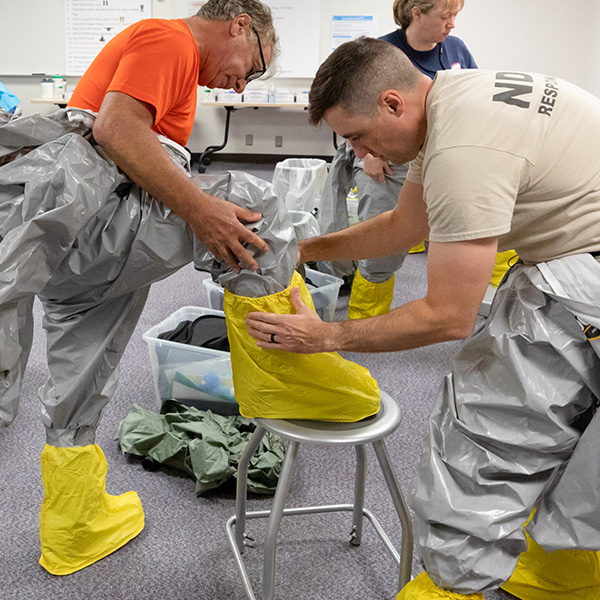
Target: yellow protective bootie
pixel 559 575
pixel 79 522
pixel 504 260
pixel 273 384
pixel 370 299
pixel 417 249
pixel 422 588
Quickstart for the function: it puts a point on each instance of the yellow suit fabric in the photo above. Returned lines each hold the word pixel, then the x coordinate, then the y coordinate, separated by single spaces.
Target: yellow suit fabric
pixel 281 385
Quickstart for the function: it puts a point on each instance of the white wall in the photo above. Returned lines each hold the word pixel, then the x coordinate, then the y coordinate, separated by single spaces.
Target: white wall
pixel 548 36
pixel 545 36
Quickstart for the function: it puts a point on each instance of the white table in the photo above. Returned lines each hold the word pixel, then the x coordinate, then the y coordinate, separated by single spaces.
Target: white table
pixel 58 101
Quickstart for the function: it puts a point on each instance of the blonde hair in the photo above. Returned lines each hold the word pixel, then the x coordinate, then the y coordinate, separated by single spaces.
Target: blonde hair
pixel 403 8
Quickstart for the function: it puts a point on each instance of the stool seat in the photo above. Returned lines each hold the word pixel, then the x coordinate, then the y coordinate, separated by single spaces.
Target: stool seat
pixel 372 430
pixel 376 427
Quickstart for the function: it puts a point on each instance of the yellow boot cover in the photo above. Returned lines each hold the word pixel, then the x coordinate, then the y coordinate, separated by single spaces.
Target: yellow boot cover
pixel 79 522
pixel 559 575
pixel 370 299
pixel 422 588
pixel 504 260
pixel 417 249
pixel 283 385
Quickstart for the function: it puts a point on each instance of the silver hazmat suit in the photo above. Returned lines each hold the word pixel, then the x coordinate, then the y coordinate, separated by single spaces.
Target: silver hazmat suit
pixel 275 267
pixel 88 242
pixel 374 198
pixel 78 234
pixel 515 427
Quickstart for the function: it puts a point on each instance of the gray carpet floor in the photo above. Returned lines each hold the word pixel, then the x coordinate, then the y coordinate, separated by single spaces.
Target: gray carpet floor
pixel 183 552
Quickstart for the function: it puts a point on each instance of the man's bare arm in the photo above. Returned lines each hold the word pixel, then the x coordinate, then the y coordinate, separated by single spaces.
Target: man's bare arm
pixel 397 230
pixel 458 274
pixel 124 129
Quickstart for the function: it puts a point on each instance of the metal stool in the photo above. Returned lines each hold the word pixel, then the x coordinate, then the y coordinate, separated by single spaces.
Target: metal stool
pixel 371 430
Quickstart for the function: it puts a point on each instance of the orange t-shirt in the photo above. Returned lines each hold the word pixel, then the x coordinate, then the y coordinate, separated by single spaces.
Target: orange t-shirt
pixel 155 61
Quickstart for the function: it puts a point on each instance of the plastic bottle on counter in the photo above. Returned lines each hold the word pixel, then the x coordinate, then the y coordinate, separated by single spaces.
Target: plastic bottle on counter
pixel 59 86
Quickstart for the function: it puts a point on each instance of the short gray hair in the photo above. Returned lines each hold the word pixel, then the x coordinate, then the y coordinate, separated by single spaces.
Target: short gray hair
pixel 354 76
pixel 262 19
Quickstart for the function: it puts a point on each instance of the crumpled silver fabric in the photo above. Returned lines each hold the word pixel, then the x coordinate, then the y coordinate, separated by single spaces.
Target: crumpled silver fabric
pixel 333 214
pixel 87 241
pixel 5 116
pixel 374 198
pixel 516 427
pixel 305 224
pixel 275 267
pixel 569 514
pixel 22 134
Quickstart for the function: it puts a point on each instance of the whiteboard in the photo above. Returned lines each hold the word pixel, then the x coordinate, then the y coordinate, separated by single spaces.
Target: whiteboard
pixel 32 34
pixel 32 37
pixel 297 23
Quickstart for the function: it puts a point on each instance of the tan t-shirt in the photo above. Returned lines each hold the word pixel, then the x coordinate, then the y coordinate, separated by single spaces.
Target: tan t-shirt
pixel 514 155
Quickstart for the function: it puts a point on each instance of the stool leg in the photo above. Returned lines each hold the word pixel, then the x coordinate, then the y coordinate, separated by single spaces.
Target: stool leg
pixel 402 510
pixel 359 494
pixel 283 488
pixel 242 486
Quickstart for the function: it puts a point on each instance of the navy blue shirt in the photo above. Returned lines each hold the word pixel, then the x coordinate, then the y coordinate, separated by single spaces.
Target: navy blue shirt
pixel 445 54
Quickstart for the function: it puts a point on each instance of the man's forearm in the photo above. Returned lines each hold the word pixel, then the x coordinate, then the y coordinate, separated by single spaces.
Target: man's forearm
pixel 412 325
pixel 380 236
pixel 391 232
pixel 457 277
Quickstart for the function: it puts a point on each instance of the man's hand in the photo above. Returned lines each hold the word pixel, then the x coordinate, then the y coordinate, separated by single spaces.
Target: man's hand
pixel 218 225
pixel 376 168
pixel 303 332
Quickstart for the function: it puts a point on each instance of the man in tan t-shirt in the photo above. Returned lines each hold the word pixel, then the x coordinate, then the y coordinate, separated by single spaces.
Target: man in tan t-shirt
pixel 500 160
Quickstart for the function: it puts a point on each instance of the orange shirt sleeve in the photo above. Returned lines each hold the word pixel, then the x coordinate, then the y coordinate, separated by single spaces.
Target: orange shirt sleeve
pixel 155 61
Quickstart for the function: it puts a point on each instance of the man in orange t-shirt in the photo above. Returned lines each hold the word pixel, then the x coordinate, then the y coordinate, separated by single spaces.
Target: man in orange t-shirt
pixel 145 81
pixel 142 84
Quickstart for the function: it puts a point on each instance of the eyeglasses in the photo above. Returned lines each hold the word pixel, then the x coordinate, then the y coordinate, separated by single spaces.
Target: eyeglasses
pixel 255 74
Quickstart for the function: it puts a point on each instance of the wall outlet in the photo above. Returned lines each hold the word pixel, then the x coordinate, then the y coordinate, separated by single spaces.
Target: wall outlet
pixel 249 139
pixel 278 141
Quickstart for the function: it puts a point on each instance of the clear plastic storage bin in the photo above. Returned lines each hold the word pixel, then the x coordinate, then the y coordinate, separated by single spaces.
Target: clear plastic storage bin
pixel 215 294
pixel 323 288
pixel 199 377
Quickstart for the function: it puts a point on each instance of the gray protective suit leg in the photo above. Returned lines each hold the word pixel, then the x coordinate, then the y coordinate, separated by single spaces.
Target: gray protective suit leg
pixel 333 214
pixel 374 198
pixel 88 242
pixel 79 388
pixel 521 398
pixel 16 336
pixel 39 209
